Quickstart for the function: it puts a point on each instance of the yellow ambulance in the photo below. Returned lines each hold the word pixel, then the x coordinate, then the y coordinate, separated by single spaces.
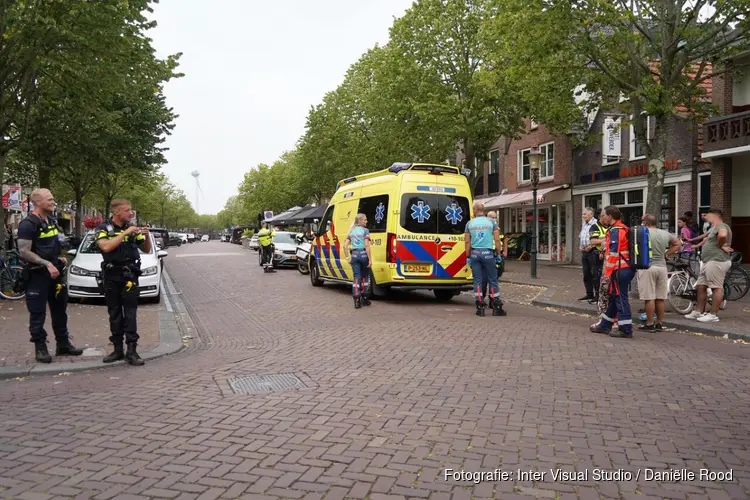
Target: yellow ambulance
pixel 416 214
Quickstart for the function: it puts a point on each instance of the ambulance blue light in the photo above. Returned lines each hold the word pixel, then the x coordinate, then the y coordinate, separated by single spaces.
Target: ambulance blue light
pixel 398 167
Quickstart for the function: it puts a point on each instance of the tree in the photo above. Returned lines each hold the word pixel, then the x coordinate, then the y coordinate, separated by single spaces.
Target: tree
pixel 647 57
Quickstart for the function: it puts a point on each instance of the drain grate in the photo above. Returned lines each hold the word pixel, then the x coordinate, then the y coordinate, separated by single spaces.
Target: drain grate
pixel 260 384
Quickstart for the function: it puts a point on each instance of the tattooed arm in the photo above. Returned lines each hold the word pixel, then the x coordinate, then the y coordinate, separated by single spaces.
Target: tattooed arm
pixel 24 249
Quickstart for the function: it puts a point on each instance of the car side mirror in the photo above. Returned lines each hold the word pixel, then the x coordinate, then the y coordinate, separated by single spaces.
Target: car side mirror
pixel 161 254
pixel 72 252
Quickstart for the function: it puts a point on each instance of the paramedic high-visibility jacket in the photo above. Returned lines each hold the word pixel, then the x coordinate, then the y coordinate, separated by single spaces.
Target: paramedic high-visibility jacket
pixel 616 250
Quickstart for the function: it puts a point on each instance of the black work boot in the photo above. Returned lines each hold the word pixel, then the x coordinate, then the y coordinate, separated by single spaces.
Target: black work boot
pixel 42 354
pixel 480 308
pixel 65 348
pixel 497 309
pixel 357 303
pixel 365 300
pixel 115 355
pixel 132 356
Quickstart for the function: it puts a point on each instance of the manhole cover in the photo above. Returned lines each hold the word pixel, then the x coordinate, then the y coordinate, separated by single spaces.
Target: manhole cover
pixel 256 384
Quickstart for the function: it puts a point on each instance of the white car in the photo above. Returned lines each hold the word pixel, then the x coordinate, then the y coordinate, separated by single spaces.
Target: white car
pixel 184 237
pixel 205 237
pixel 253 243
pixel 191 237
pixel 85 266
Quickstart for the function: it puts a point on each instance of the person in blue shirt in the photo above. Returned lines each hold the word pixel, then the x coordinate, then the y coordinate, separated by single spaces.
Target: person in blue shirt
pixel 361 259
pixel 482 238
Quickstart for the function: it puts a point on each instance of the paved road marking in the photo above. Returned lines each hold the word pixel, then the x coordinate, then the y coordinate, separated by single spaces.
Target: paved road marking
pixel 218 254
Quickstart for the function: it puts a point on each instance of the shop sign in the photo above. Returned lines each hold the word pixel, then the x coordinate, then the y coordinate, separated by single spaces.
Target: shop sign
pixel 633 170
pixel 612 144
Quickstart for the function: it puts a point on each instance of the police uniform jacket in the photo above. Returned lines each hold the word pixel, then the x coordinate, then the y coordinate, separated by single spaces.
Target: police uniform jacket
pixel 127 253
pixel 43 235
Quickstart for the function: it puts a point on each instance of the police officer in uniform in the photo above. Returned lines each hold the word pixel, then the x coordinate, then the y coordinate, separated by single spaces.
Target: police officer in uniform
pixel 39 246
pixel 119 241
pixel 265 240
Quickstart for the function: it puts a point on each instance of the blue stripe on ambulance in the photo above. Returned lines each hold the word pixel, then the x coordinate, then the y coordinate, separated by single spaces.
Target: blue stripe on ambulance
pixel 338 261
pixel 423 255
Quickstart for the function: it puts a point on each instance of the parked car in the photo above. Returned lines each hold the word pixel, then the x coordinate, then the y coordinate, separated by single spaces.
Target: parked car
pixel 161 236
pixel 225 237
pixel 184 237
pixel 175 240
pixel 285 250
pixel 253 244
pixel 205 237
pixel 190 237
pixel 85 268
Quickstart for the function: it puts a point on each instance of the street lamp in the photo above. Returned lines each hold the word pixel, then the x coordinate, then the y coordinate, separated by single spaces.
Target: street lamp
pixel 535 160
pixel 27 191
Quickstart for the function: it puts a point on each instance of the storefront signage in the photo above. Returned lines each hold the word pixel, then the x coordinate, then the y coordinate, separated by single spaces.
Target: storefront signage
pixel 632 170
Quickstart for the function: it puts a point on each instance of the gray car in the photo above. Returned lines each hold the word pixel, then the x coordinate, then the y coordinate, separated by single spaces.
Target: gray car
pixel 285 250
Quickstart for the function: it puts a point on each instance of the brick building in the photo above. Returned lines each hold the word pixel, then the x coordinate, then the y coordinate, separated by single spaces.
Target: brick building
pixel 506 188
pixel 727 146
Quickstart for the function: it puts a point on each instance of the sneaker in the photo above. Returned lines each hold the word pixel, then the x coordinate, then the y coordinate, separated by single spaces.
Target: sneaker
pixel 647 328
pixel 658 327
pixel 693 315
pixel 709 318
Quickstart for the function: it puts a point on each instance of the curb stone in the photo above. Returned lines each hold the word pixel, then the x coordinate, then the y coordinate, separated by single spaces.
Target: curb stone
pixel 170 342
pixel 544 300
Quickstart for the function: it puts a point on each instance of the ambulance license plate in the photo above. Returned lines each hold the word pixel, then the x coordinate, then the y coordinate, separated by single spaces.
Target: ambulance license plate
pixel 417 268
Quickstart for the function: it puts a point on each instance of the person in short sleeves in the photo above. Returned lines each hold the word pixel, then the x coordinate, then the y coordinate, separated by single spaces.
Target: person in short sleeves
pixel 482 237
pixel 361 259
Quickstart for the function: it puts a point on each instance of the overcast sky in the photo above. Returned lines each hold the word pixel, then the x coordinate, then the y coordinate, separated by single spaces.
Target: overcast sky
pixel 252 70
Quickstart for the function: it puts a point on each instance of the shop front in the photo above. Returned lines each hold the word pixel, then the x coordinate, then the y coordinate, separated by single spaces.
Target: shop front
pixel 516 217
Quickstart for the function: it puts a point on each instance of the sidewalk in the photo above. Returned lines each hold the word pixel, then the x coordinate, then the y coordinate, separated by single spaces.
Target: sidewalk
pixel 88 324
pixel 564 286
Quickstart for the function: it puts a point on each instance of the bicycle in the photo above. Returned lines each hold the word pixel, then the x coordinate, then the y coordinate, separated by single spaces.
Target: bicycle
pixel 10 276
pixel 737 278
pixel 682 294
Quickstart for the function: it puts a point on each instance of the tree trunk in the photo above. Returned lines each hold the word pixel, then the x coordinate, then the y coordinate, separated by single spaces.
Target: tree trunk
pixel 3 161
pixel 656 171
pixel 79 210
pixel 45 175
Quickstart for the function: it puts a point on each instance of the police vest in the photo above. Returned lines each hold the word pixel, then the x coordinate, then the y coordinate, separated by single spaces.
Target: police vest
pixel 265 237
pixel 599 233
pixel 46 242
pixel 125 254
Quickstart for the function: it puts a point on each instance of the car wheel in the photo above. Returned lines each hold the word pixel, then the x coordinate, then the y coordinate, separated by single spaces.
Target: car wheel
pixel 315 274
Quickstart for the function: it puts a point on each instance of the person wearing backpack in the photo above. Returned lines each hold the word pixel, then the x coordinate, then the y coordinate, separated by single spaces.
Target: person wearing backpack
pixel 617 267
pixel 652 282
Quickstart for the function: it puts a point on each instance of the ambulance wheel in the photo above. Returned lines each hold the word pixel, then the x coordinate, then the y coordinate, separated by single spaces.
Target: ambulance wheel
pixel 444 295
pixel 315 273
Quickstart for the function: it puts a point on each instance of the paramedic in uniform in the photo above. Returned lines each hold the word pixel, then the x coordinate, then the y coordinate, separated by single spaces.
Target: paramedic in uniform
pixel 39 246
pixel 119 242
pixel 493 215
pixel 482 235
pixel 617 269
pixel 361 259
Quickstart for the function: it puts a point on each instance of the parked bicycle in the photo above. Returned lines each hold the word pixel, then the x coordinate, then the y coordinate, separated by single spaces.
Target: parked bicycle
pixel 11 271
pixel 682 292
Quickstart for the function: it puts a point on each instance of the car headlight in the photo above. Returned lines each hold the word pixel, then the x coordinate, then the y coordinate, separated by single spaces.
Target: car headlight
pixel 79 271
pixel 149 271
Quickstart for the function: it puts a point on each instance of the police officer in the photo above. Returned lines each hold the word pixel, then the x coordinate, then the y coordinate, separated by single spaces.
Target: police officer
pixel 119 241
pixel 265 239
pixel 39 246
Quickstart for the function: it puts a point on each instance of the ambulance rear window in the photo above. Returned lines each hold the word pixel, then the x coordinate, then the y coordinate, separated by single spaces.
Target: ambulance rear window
pixel 427 213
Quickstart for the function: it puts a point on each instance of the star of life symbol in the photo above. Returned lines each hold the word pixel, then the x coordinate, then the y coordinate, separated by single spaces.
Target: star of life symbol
pixel 453 213
pixel 379 212
pixel 420 212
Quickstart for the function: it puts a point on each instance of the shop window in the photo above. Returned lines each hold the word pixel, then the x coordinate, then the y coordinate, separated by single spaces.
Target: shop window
pixel 668 216
pixel 595 202
pixel 704 194
pixel 617 199
pixel 635 196
pixel 376 210
pixel 638 150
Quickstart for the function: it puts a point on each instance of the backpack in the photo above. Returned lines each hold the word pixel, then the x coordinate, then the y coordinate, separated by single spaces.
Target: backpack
pixel 639 245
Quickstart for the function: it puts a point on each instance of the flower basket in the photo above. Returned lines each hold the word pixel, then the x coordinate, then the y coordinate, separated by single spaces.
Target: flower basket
pixel 91 222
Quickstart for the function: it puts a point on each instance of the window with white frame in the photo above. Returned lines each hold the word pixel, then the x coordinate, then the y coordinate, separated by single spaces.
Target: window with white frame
pixel 637 150
pixel 547 168
pixel 524 166
pixel 494 162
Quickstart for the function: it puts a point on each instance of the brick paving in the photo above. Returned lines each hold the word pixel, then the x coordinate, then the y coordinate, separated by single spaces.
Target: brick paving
pixel 88 324
pixel 397 393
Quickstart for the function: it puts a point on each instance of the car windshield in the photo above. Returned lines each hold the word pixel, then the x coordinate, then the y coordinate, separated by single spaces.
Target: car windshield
pixel 89 245
pixel 284 238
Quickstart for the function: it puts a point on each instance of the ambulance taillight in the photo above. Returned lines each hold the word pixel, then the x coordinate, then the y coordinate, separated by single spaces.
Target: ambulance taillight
pixel 390 256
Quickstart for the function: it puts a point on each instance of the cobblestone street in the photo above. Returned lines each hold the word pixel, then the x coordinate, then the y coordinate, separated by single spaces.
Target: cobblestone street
pixel 393 395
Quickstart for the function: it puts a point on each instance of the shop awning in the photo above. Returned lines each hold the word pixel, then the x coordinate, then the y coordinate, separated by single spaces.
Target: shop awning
pixel 522 198
pixel 310 214
pixel 284 216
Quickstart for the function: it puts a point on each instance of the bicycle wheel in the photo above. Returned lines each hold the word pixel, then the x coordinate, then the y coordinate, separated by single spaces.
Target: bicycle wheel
pixel 8 276
pixel 738 283
pixel 678 284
